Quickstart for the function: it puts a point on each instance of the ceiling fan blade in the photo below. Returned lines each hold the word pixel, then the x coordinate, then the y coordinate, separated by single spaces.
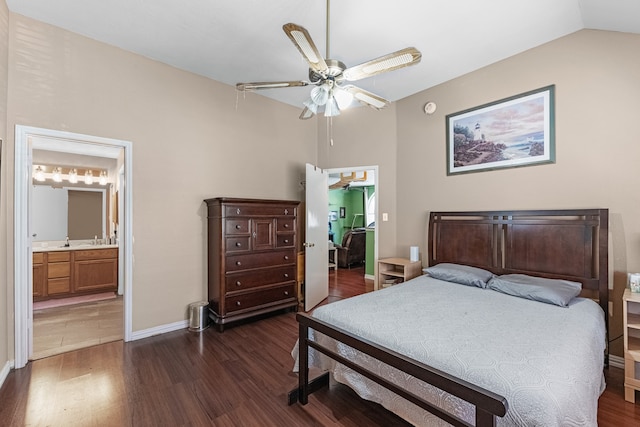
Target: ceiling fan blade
pixel 267 85
pixel 301 38
pixel 306 113
pixel 366 97
pixel 393 61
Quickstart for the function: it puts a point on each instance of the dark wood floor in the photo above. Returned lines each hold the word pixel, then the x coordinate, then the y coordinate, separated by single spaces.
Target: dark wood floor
pixel 238 378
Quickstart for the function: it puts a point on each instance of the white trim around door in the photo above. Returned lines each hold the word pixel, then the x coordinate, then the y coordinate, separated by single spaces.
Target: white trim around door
pixel 25 137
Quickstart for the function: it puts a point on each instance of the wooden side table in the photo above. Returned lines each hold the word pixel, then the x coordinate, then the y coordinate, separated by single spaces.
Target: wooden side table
pixel 396 270
pixel 631 322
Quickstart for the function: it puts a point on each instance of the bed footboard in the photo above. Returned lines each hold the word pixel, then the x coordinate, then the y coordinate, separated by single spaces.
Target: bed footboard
pixel 488 405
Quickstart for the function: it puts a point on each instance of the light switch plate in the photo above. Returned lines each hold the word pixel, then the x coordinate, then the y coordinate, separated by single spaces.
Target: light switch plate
pixel 385 216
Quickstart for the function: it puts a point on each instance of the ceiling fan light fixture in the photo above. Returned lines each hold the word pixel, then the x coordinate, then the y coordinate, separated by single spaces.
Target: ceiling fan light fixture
pixel 320 94
pixel 331 109
pixel 311 106
pixel 343 98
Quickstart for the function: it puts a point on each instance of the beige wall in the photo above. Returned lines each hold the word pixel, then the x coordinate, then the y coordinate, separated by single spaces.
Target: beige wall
pixel 5 303
pixel 366 137
pixel 192 139
pixel 597 145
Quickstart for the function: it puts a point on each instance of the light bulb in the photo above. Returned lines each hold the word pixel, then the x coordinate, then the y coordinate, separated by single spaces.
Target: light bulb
pixel 57 175
pixel 73 176
pixel 103 178
pixel 88 177
pixel 39 176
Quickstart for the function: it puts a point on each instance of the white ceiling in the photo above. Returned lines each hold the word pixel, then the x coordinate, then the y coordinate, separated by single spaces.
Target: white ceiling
pixel 243 41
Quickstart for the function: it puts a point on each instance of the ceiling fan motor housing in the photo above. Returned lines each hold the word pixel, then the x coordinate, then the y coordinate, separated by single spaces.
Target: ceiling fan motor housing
pixel 333 72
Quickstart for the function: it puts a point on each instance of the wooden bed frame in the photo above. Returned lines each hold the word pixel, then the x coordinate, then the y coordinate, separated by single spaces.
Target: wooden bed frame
pixel 560 244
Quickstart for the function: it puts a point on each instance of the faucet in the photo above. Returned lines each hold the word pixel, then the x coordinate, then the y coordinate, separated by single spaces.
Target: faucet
pixel 95 239
pixel 66 244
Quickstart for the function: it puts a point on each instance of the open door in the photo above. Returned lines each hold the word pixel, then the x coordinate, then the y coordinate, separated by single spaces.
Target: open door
pixel 316 254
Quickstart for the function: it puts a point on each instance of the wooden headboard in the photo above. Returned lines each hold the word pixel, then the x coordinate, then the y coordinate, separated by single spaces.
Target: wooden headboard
pixel 561 244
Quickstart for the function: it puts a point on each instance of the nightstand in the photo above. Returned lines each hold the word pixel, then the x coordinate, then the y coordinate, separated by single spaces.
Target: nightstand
pixel 631 322
pixel 396 270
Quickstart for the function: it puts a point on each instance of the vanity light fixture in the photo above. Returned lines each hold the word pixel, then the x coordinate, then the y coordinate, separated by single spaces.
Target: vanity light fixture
pixel 73 176
pixel 88 177
pixel 57 175
pixel 39 176
pixel 103 178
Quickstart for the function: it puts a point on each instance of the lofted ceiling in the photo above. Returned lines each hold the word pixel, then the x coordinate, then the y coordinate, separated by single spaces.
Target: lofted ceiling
pixel 243 41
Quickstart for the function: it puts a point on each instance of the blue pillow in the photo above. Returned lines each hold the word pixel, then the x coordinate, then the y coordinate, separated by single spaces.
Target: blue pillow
pixel 549 291
pixel 461 274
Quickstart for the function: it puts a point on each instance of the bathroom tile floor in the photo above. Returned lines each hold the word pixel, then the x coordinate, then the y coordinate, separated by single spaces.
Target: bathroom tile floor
pixel 62 329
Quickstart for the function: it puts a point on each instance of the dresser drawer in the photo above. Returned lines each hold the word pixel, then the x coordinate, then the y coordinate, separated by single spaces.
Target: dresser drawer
pixel 285 240
pixel 285 225
pixel 237 244
pixel 258 210
pixel 260 260
pixel 236 226
pixel 253 279
pixel 254 299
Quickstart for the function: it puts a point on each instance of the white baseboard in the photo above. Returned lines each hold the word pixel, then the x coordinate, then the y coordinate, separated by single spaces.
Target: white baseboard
pixel 370 276
pixel 157 330
pixel 5 371
pixel 616 361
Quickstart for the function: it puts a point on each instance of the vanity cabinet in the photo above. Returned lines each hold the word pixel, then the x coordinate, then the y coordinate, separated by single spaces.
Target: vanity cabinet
pixel 95 270
pixel 58 274
pixel 252 260
pixel 39 275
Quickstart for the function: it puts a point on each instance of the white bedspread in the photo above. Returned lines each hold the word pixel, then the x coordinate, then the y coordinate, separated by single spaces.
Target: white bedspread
pixel 547 361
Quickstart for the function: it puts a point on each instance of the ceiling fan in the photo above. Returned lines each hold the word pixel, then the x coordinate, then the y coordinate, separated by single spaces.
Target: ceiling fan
pixel 329 76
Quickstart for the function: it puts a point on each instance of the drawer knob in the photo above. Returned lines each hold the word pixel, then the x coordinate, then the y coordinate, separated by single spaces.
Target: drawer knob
pixel 286 257
pixel 238 283
pixel 238 303
pixel 238 211
pixel 286 292
pixel 237 226
pixel 238 263
pixel 238 244
pixel 286 226
pixel 286 275
pixel 286 240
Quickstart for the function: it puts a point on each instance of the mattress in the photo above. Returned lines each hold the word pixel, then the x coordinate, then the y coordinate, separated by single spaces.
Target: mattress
pixel 547 361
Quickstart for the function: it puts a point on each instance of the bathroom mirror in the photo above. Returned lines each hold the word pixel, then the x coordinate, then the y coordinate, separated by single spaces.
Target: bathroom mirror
pixel 61 212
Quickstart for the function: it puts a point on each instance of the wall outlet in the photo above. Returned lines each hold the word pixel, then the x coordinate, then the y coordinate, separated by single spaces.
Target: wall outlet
pixel 385 216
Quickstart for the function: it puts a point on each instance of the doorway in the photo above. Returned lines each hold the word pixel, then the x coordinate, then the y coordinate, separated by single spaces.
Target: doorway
pixel 362 180
pixel 28 138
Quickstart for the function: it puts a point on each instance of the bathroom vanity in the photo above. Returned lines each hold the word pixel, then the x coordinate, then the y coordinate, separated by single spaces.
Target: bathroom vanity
pixel 72 271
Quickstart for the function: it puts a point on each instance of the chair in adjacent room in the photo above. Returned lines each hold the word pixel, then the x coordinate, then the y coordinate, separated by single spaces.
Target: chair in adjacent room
pixel 353 248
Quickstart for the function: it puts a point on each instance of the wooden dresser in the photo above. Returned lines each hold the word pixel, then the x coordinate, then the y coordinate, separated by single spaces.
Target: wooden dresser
pixel 252 260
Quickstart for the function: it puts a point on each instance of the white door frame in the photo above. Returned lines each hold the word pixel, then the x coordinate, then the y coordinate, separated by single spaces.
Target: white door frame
pixel 23 263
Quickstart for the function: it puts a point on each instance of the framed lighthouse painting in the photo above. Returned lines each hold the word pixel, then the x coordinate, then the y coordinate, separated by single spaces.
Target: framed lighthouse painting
pixel 512 132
